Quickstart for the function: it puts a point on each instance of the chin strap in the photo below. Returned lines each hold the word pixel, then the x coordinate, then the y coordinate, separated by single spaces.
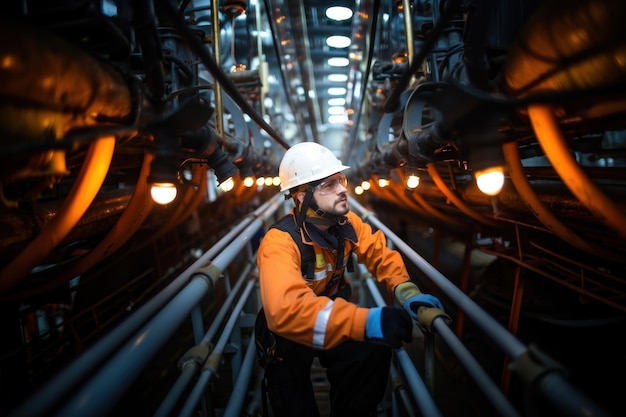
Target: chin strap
pixel 329 219
pixel 301 213
pixel 325 219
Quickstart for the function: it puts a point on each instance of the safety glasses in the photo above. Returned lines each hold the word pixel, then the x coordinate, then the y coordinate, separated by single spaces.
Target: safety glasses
pixel 330 185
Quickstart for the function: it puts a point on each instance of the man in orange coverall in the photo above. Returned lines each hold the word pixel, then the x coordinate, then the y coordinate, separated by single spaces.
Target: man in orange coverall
pixel 312 315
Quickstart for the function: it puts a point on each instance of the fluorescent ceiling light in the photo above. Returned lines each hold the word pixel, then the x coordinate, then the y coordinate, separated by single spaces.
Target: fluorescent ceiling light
pixel 338 13
pixel 338 41
pixel 339 78
pixel 338 62
pixel 337 101
pixel 337 119
pixel 337 91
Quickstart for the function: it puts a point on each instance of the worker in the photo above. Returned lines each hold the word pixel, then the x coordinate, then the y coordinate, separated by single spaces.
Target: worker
pixel 312 315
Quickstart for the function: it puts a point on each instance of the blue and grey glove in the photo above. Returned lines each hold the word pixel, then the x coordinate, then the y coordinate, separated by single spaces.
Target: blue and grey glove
pixel 411 298
pixel 388 325
pixel 412 304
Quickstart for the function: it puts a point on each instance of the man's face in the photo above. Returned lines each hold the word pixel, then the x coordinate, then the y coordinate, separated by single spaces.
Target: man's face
pixel 331 195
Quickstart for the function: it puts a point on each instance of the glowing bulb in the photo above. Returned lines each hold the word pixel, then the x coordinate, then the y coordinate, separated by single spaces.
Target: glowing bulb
pixel 366 185
pixel 412 181
pixel 383 182
pixel 260 181
pixel 269 181
pixel 490 180
pixel 163 192
pixel 276 181
pixel 358 190
pixel 227 185
pixel 248 182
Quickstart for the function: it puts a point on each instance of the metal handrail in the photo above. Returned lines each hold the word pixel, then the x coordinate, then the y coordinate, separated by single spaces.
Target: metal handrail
pixel 550 382
pixel 117 359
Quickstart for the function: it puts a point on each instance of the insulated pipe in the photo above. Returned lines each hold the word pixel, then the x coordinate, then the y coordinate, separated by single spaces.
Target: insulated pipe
pixel 569 45
pixel 87 185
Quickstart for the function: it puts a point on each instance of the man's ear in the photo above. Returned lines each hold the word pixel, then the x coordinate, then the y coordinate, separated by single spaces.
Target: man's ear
pixel 300 196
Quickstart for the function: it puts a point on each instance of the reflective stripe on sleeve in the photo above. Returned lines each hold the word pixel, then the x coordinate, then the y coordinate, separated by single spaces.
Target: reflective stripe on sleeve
pixel 320 326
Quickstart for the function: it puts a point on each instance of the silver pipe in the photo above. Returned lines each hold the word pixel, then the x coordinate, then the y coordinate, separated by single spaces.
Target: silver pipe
pixel 210 367
pixel 473 368
pixel 488 324
pixel 65 381
pixel 240 389
pixel 419 390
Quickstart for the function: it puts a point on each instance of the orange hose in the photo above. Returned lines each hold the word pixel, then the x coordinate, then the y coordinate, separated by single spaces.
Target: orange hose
pixel 460 204
pixel 575 178
pixel 84 190
pixel 543 214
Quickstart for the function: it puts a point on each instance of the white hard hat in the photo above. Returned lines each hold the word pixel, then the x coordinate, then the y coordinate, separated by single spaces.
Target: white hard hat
pixel 307 162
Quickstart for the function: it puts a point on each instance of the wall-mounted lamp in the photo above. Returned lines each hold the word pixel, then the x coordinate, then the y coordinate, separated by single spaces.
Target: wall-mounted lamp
pixel 222 166
pixel 163 177
pixel 163 192
pixel 488 165
pixel 247 175
pixel 227 185
pixel 490 180
pixel 412 180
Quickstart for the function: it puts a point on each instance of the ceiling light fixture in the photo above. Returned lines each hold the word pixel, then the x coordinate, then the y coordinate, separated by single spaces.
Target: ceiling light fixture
pixel 337 101
pixel 339 13
pixel 338 62
pixel 338 41
pixel 338 78
pixel 337 91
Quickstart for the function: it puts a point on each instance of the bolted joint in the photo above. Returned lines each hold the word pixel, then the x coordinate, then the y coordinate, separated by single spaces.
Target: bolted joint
pixel 532 365
pixel 196 355
pixel 210 273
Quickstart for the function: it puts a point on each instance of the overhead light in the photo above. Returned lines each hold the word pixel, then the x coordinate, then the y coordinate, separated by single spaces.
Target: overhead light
pixel 337 101
pixel 366 185
pixel 163 192
pixel 338 41
pixel 338 62
pixel 358 190
pixel 383 182
pixel 227 185
pixel 412 181
pixel 337 91
pixel 490 180
pixel 163 173
pixel 336 110
pixel 336 119
pixel 488 164
pixel 339 13
pixel 338 78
